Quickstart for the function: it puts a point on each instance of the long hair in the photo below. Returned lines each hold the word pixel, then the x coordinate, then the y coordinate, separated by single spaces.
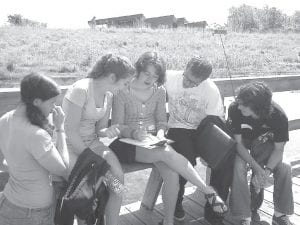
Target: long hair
pixel 118 65
pixel 154 59
pixel 36 86
pixel 257 96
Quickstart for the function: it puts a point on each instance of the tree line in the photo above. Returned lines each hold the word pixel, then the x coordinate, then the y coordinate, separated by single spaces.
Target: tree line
pixel 247 18
pixel 19 20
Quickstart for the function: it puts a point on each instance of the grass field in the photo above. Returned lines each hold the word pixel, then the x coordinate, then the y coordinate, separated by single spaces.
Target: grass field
pixel 72 52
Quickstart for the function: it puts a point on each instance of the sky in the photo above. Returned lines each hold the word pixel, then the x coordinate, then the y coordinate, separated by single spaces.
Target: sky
pixel 74 14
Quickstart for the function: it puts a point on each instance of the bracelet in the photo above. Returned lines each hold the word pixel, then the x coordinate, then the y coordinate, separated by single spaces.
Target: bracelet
pixel 59 130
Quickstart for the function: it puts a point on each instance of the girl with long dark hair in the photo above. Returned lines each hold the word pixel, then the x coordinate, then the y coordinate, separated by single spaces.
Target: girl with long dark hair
pixel 30 153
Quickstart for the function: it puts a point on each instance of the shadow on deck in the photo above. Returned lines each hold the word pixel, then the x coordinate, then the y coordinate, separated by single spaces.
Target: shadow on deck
pixel 194 206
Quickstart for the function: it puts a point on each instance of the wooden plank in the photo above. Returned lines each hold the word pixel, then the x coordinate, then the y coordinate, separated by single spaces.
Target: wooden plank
pixel 267 208
pixel 193 214
pixel 189 220
pixel 126 218
pixel 276 83
pixel 194 210
pixel 152 190
pixel 144 215
pixel 296 181
pixel 294 124
pixel 198 197
pixel 269 202
pixel 132 167
pixel 9 97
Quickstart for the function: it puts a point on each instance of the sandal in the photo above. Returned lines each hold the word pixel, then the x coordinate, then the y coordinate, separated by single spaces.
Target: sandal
pixel 216 202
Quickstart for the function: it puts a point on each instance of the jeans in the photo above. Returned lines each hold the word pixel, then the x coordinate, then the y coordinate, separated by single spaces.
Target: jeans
pixel 11 214
pixel 244 200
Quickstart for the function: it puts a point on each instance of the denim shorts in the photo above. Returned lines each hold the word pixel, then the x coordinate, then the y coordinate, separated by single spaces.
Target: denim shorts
pixel 11 214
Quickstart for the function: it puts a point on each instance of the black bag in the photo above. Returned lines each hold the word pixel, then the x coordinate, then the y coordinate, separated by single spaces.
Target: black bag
pixel 86 195
pixel 214 145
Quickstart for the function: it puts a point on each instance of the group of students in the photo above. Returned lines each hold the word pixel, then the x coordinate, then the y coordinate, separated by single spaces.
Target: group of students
pixel 135 97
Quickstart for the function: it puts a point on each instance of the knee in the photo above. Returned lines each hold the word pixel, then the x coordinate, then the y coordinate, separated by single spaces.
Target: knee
pixel 114 163
pixel 283 168
pixel 170 154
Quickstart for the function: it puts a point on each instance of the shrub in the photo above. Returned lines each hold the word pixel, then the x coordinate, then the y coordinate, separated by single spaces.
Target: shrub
pixel 10 66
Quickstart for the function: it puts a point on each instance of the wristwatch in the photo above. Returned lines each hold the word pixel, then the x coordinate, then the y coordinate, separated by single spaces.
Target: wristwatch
pixel 269 169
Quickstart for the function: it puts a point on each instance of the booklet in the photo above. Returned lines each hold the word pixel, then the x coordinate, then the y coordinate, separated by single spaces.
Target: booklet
pixel 151 142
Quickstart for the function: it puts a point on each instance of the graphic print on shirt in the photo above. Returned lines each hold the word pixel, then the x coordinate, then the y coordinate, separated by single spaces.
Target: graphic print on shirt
pixel 186 109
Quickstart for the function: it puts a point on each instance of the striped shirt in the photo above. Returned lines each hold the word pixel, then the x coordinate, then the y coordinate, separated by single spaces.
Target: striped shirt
pixel 130 111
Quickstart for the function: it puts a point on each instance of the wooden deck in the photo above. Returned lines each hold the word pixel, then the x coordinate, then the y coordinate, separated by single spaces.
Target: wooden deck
pixel 194 202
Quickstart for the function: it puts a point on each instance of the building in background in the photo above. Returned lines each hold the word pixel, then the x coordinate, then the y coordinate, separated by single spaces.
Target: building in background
pixel 136 20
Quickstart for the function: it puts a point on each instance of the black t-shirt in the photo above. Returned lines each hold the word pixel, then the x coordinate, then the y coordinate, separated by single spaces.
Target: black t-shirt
pixel 251 128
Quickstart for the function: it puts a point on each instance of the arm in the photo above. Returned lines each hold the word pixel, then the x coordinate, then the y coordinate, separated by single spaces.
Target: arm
pixel 102 128
pixel 281 136
pixel 161 114
pixel 118 116
pixel 47 155
pixel 245 155
pixel 276 155
pixel 72 125
pixel 61 144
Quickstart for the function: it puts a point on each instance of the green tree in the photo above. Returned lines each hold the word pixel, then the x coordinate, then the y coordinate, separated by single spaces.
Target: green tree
pixel 243 18
pixel 272 18
pixel 16 19
pixel 296 18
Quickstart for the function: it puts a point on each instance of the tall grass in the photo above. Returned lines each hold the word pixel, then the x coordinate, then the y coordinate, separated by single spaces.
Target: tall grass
pixel 65 52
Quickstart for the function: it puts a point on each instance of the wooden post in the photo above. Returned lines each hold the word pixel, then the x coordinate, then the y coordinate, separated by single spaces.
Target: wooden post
pixel 152 190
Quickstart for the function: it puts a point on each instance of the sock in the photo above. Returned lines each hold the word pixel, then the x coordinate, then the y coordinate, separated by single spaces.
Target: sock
pixel 247 218
pixel 278 214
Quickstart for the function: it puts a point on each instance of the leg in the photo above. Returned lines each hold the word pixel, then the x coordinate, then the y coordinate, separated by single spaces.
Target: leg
pixel 180 214
pixel 184 144
pixel 220 180
pixel 240 194
pixel 283 193
pixel 179 164
pixel 169 191
pixel 113 206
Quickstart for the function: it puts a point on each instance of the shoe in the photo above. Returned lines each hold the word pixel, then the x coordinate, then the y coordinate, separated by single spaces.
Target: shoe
pixel 281 220
pixel 245 222
pixel 216 202
pixel 255 217
pixel 211 217
pixel 179 214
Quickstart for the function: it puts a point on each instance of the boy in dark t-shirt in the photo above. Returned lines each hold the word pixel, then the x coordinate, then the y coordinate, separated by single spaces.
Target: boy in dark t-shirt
pixel 260 128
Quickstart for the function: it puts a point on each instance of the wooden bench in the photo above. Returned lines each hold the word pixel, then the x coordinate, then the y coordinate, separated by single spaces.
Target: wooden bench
pixel 9 98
